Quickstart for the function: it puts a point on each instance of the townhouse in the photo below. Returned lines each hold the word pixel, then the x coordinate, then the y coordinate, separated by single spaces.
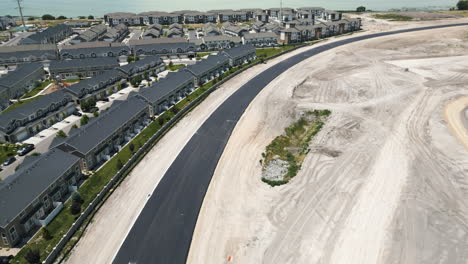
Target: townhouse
pixel 264 39
pixel 21 80
pixel 105 135
pixel 166 48
pixel 153 64
pixel 91 34
pixel 250 12
pixel 31 118
pixel 96 88
pixel 211 29
pixel 51 35
pixel 72 69
pixel 35 194
pixel 289 35
pixel 258 26
pixel 240 55
pixel 163 18
pixel 231 16
pixel 221 42
pixel 195 17
pixel 315 11
pixel 209 68
pixel 114 19
pixel 153 31
pixel 12 55
pixel 235 31
pixel 353 24
pixel 262 16
pixel 286 15
pixel 168 91
pixel 331 15
pixel 276 12
pixel 96 49
pixel 311 32
pixel 115 34
pixel 175 33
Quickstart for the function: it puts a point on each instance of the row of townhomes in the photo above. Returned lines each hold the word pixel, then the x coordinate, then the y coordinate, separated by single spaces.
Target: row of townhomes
pixel 23 122
pixel 220 16
pixel 35 194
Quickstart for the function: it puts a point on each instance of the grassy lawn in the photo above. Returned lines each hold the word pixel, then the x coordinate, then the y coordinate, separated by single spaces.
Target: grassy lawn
pixel 203 54
pixel 268 52
pixel 175 67
pixel 293 145
pixel 96 182
pixel 37 89
pixel 20 103
pixel 393 17
pixel 8 150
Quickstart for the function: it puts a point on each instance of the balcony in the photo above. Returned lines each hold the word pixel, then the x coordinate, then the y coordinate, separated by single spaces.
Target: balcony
pixel 58 206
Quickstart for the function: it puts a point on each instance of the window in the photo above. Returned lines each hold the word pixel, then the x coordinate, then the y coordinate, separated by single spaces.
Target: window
pixel 13 233
pixel 5 239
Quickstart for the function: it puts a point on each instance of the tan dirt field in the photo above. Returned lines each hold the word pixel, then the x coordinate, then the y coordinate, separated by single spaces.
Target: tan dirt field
pixel 456 115
pixel 396 194
pixel 111 224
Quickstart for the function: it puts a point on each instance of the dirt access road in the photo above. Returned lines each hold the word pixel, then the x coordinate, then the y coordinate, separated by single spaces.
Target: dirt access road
pixel 396 193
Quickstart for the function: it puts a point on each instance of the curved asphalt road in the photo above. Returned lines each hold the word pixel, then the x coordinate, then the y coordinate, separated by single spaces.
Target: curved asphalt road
pixel 163 231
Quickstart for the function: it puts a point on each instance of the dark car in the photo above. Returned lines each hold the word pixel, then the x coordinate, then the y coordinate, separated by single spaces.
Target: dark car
pixel 9 161
pixel 76 113
pixel 105 99
pixel 26 149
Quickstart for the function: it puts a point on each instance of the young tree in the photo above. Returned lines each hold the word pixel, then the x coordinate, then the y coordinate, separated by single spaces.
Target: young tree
pixel 46 234
pixel 33 256
pixel 131 147
pixel 119 164
pixel 75 208
pixel 361 9
pixel 76 198
pixel 84 120
pixel 61 134
pixel 462 5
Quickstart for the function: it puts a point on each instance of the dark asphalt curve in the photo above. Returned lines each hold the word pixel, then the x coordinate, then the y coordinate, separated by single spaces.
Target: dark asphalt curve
pixel 163 231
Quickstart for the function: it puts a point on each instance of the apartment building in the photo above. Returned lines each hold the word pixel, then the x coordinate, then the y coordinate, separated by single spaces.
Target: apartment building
pixel 34 195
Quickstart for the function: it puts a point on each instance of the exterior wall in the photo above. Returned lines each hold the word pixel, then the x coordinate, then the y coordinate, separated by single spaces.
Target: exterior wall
pixel 26 84
pixel 28 221
pixel 36 123
pixel 261 42
pixel 73 73
pixel 114 142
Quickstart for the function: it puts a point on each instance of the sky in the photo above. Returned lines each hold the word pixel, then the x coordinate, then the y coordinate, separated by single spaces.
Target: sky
pixel 98 8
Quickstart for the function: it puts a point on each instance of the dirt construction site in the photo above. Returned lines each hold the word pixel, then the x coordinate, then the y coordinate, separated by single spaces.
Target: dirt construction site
pixel 396 193
pixel 395 189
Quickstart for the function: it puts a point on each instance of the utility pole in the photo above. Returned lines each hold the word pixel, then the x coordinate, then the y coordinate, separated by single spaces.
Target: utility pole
pixel 21 12
pixel 281 12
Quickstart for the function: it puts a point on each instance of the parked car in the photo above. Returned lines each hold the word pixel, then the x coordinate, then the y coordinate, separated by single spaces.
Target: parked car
pixel 105 99
pixel 76 113
pixel 9 161
pixel 26 149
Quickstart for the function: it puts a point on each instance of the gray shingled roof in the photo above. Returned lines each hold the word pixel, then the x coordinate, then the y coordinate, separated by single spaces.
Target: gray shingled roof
pixel 203 66
pixel 260 35
pixel 105 125
pixel 26 110
pixel 239 51
pixel 78 88
pixel 21 189
pixel 83 63
pixel 139 63
pixel 38 37
pixel 23 71
pixel 165 86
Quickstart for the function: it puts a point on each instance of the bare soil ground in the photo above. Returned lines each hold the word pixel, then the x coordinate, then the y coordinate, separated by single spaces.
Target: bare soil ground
pixel 395 192
pixel 456 115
